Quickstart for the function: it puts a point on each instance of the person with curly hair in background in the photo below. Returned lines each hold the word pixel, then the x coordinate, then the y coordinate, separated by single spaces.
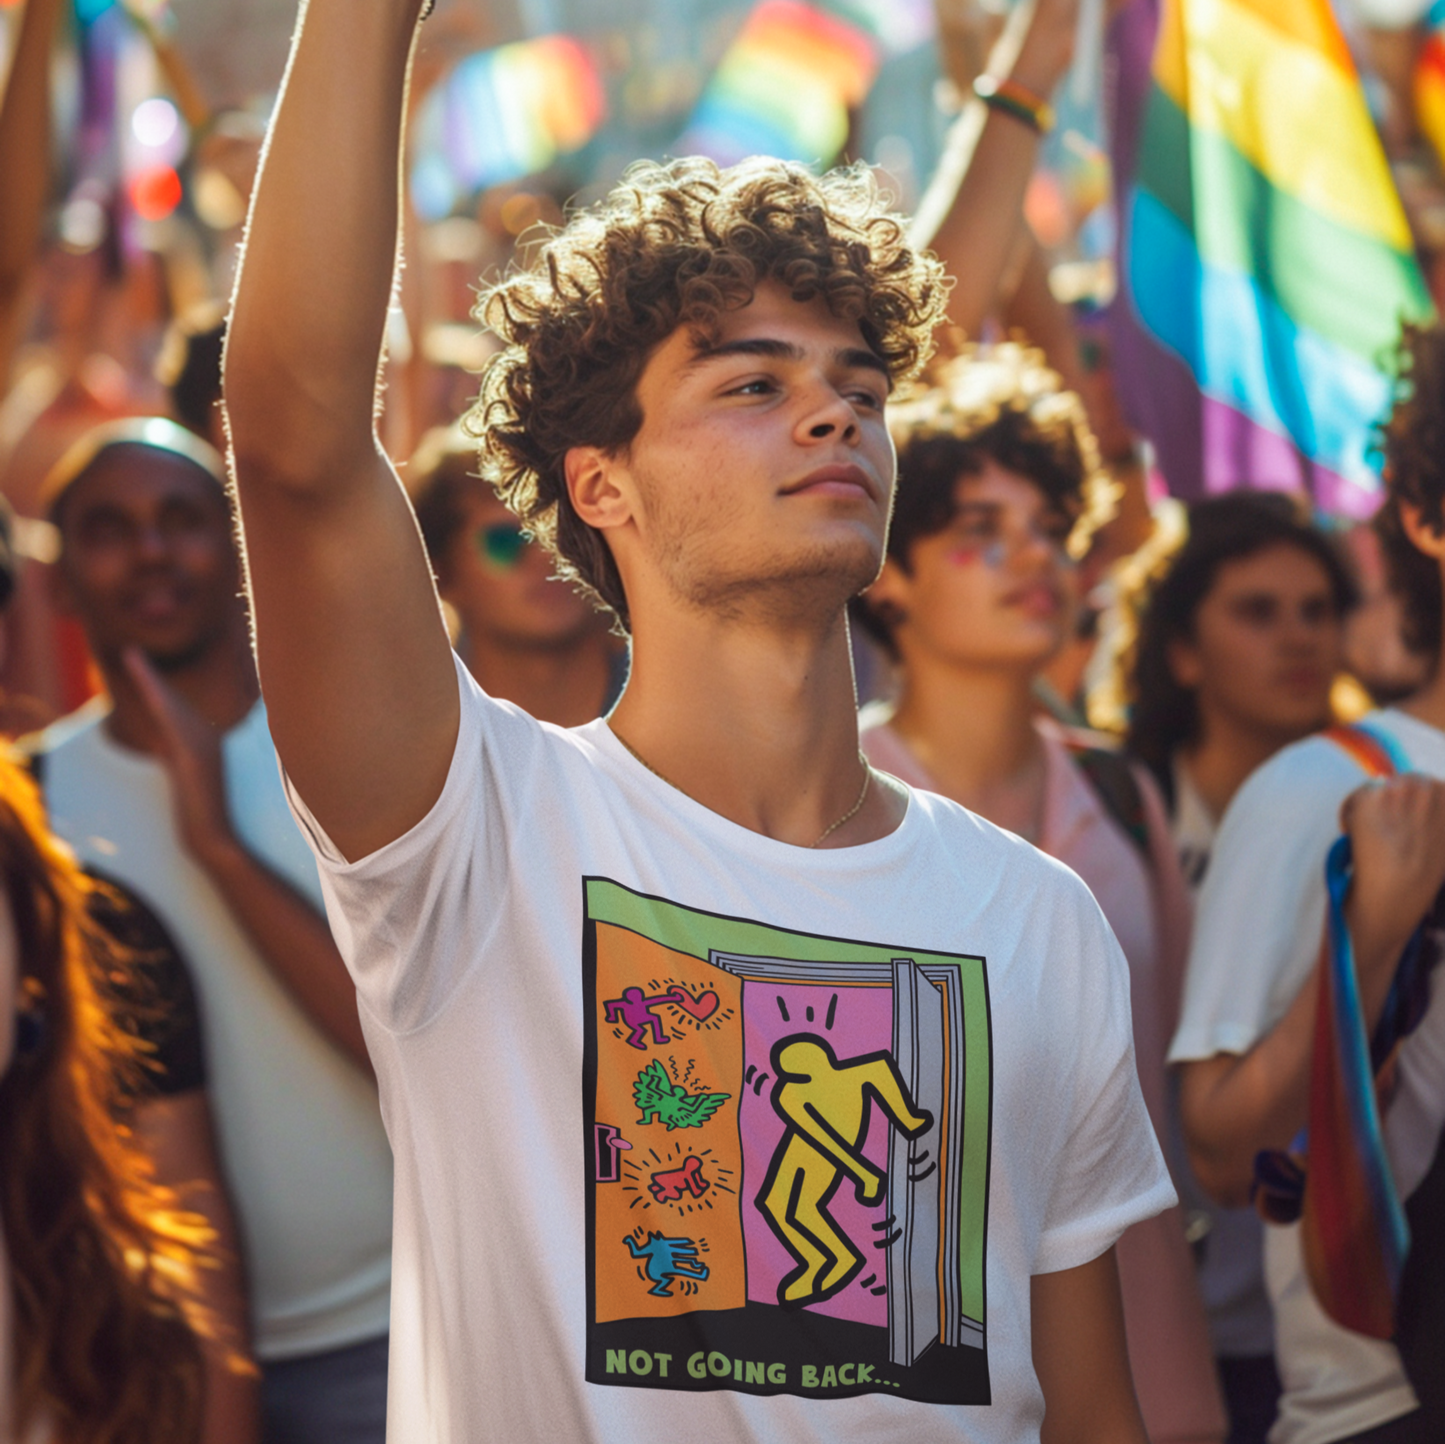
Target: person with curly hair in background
pixel 97 1266
pixel 1245 1043
pixel 998 490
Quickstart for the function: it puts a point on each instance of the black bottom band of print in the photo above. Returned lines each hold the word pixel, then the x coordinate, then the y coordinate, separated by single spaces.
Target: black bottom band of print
pixel 761 1349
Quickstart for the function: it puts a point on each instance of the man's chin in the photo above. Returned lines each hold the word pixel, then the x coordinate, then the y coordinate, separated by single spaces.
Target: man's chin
pixel 813 582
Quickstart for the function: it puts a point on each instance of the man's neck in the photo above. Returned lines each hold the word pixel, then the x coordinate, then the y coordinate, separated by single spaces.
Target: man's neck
pixel 972 729
pixel 220 685
pixel 1220 763
pixel 566 684
pixel 756 723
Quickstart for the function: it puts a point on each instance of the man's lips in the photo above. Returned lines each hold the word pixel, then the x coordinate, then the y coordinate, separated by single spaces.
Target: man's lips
pixel 842 480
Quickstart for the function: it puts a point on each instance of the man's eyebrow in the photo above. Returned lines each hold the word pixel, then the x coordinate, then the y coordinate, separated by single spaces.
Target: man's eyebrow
pixel 852 357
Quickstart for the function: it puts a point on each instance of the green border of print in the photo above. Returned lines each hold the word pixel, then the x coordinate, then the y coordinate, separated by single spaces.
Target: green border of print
pixel 696 933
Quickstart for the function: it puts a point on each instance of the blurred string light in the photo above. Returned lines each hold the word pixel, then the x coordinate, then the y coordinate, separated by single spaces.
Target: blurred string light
pixel 131 139
pixel 153 137
pixel 500 115
pixel 784 87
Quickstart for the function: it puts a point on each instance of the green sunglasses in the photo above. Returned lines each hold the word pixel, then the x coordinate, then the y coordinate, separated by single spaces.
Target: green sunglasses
pixel 502 544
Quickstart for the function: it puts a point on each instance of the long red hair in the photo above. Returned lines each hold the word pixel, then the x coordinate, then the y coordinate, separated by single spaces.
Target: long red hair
pixel 101 1262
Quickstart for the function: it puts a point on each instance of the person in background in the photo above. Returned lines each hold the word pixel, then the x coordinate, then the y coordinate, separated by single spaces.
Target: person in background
pixel 525 636
pixel 98 1271
pixel 1245 1040
pixel 1239 644
pixel 166 1108
pixel 172 789
pixel 998 483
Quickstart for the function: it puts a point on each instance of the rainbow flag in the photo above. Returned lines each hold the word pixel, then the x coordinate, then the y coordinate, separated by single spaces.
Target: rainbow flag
pixel 1336 1180
pixel 1266 248
pixel 502 114
pixel 784 87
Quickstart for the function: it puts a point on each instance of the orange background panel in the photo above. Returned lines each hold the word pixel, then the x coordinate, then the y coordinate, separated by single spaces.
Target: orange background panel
pixel 714 1048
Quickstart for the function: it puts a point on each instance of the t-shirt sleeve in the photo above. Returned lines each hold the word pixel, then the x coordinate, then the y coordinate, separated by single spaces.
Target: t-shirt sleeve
pixel 149 988
pixel 1104 1170
pixel 1260 917
pixel 411 918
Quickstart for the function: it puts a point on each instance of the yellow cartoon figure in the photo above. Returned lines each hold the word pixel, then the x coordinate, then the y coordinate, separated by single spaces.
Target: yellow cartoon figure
pixel 825 1105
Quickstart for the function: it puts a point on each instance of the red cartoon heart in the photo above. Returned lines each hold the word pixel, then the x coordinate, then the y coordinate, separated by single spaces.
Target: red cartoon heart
pixel 701 1007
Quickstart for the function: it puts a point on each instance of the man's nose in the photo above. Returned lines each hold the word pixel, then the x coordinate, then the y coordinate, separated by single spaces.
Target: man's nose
pixel 831 414
pixel 150 543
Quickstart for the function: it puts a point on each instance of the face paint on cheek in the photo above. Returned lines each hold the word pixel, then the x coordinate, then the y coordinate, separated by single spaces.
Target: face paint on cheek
pixel 991 554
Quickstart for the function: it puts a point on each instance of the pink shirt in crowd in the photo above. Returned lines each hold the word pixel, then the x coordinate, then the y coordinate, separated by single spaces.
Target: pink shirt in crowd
pixel 1147 905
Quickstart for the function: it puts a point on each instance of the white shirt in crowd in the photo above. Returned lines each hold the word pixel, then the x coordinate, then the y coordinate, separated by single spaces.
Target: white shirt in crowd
pixel 300 1132
pixel 703 1136
pixel 1231 1268
pixel 1257 937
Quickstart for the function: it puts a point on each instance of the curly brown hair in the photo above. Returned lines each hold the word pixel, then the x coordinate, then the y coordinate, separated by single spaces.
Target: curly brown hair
pixel 1415 474
pixel 998 403
pixel 675 245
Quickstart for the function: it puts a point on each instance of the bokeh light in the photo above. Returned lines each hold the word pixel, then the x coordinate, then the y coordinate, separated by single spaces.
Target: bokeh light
pixel 155 192
pixel 155 122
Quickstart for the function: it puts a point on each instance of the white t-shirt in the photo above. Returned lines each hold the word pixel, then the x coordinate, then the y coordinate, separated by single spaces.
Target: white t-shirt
pixel 1231 1266
pixel 300 1132
pixel 699 1133
pixel 1257 938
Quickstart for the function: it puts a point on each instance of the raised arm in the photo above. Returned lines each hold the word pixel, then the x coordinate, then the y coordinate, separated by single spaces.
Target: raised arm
pixel 1234 1105
pixel 24 163
pixel 353 655
pixel 972 212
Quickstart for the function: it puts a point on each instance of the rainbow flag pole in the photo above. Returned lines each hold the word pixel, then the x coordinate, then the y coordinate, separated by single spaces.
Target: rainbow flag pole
pixel 1266 250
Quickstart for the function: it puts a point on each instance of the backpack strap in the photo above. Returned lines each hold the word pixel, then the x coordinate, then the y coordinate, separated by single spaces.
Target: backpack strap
pixel 1114 781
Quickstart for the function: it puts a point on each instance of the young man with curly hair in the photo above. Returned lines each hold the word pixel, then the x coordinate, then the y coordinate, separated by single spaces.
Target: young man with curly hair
pixel 737 1091
pixel 1244 1043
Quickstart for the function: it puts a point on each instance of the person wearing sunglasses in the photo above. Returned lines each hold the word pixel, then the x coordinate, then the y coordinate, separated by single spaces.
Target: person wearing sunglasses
pixel 525 636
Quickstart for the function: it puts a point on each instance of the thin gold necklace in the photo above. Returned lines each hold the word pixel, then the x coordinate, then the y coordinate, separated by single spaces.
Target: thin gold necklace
pixel 827 832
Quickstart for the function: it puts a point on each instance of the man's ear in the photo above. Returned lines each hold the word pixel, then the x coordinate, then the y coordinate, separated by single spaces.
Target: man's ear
pixel 594 483
pixel 1424 536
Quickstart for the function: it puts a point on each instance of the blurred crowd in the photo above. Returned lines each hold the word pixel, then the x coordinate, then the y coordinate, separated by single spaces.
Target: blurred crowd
pixel 1176 700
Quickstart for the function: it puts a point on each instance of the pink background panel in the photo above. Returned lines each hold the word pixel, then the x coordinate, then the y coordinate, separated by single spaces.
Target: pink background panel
pixel 862 1023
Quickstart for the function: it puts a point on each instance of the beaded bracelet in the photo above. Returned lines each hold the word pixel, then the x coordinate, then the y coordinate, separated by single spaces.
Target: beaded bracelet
pixel 1013 99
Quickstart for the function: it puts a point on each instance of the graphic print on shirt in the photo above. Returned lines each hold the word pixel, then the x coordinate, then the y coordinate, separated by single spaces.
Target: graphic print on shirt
pixel 787 1158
